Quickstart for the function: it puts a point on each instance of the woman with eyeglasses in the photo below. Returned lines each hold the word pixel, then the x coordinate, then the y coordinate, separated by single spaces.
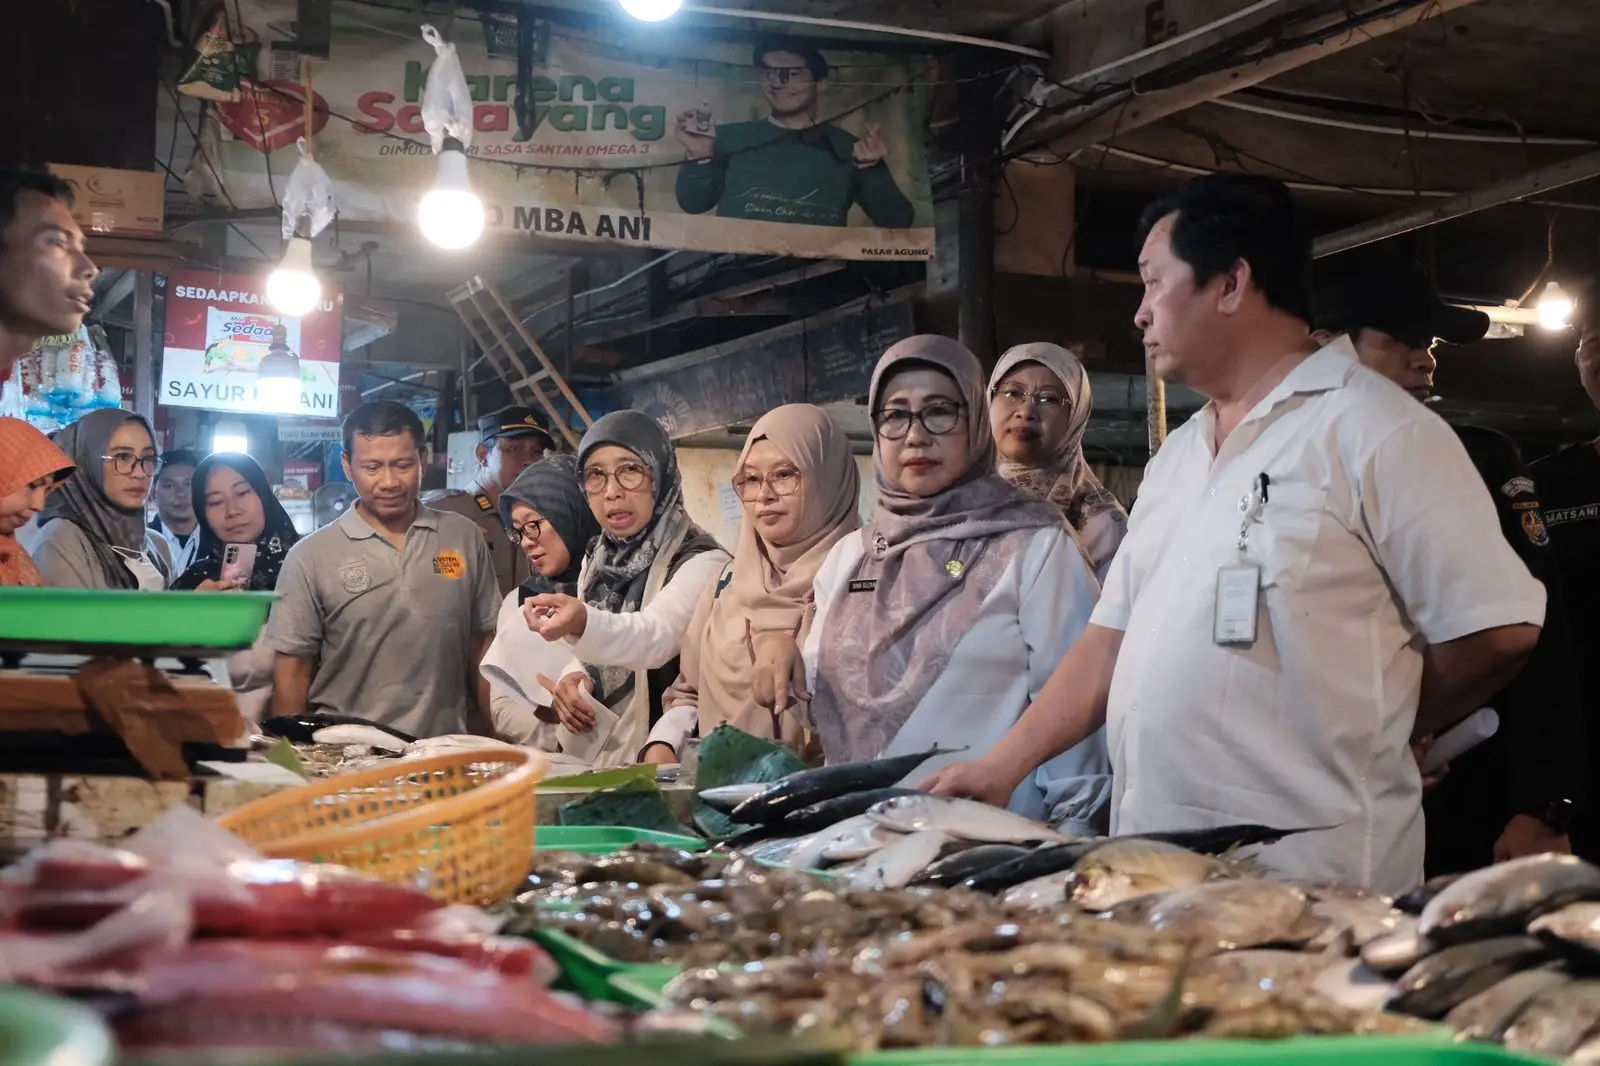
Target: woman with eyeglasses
pixel 637 591
pixel 741 657
pixel 943 619
pixel 92 533
pixel 547 517
pixel 1039 404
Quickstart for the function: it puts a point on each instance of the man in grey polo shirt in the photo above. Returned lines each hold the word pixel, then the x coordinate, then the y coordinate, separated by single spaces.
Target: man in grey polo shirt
pixel 386 612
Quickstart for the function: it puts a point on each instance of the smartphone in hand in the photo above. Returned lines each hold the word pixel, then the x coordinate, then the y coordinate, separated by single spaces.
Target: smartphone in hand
pixel 238 564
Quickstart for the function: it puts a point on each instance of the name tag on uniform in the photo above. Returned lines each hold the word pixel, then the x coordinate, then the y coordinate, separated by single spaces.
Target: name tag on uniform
pixel 1238 599
pixel 864 584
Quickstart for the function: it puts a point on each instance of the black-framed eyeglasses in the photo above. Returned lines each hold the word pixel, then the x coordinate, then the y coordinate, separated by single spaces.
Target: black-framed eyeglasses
pixel 125 462
pixel 1016 396
pixel 783 482
pixel 529 531
pixel 631 477
pixel 782 75
pixel 938 419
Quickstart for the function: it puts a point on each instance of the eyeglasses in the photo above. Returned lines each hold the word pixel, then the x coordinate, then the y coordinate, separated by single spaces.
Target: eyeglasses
pixel 938 419
pixel 783 482
pixel 125 462
pixel 1017 396
pixel 528 531
pixel 631 477
pixel 782 75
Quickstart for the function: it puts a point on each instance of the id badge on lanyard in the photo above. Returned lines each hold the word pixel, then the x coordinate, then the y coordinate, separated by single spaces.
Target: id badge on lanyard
pixel 1239 583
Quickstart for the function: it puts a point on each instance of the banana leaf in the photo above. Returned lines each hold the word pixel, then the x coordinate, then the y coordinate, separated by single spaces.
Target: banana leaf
pixel 598 779
pixel 635 804
pixel 730 756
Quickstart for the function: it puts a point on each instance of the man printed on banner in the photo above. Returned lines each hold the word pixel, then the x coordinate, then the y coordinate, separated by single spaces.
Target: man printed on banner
pixel 790 167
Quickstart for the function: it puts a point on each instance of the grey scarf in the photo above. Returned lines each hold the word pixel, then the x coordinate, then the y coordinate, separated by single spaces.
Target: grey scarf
pixel 932 560
pixel 82 499
pixel 552 487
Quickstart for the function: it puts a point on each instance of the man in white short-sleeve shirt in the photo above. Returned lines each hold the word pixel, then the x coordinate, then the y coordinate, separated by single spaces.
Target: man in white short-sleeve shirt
pixel 1314 573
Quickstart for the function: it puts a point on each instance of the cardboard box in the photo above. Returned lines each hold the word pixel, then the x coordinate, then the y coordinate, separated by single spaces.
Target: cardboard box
pixel 124 203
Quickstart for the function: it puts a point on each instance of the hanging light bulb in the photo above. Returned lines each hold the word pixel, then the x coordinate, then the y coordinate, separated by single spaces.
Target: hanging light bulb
pixel 229 435
pixel 278 376
pixel 451 215
pixel 651 10
pixel 293 288
pixel 1555 308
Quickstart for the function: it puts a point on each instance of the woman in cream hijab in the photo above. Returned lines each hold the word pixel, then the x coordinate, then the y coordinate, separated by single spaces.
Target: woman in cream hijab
pixel 798 483
pixel 1039 405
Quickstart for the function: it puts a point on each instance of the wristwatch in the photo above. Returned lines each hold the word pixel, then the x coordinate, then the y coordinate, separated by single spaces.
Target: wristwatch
pixel 1556 815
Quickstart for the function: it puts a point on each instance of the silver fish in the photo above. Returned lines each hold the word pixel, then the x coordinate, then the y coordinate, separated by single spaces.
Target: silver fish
pixel 364 736
pixel 1120 870
pixel 963 819
pixel 1578 925
pixel 860 843
pixel 1354 986
pixel 775 852
pixel 814 847
pixel 1443 981
pixel 1042 892
pixel 727 797
pixel 1398 951
pixel 1232 914
pixel 1503 898
pixel 894 865
pixel 1557 1021
pixel 1486 1015
pixel 1364 919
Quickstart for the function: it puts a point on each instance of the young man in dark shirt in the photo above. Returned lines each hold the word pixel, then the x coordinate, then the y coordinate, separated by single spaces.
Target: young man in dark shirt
pixel 1569 488
pixel 1516 794
pixel 46 278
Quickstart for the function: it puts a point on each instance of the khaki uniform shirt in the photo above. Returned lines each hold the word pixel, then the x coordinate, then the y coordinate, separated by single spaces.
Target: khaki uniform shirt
pixel 391 629
pixel 510 564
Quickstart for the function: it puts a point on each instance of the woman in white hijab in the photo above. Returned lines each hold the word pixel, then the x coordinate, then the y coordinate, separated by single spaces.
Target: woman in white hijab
pixel 1039 404
pixel 940 622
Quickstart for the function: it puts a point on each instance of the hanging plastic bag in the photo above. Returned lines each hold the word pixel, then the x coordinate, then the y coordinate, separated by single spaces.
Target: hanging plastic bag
pixel 308 195
pixel 446 102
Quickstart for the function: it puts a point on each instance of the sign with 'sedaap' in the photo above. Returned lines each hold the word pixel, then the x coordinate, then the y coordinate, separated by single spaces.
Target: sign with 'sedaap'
pixel 219 328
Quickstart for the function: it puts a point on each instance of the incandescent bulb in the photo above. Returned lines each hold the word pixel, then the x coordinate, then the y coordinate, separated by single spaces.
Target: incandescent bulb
pixel 451 215
pixel 293 288
pixel 278 376
pixel 651 10
pixel 229 435
pixel 1555 308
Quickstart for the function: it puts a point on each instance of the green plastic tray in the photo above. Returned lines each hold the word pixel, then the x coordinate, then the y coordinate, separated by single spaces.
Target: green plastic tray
pixel 1299 1051
pixel 40 1030
pixel 584 970
pixel 65 619
pixel 605 839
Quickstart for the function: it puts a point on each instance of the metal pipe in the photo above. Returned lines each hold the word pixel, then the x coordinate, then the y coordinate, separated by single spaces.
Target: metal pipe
pixel 866 27
pixel 1568 172
pixel 1422 133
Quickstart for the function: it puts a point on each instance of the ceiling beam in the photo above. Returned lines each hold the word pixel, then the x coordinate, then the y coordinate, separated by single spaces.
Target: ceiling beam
pixel 1104 120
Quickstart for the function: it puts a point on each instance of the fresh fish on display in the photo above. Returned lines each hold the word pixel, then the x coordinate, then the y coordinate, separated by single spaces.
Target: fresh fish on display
pixel 1504 898
pixel 1225 915
pixel 302 728
pixel 1225 838
pixel 1441 982
pixel 775 851
pixel 1486 1016
pixel 1365 919
pixel 1353 986
pixel 813 846
pixel 818 815
pixel 860 842
pixel 1413 902
pixel 1052 858
pixel 963 818
pixel 1124 869
pixel 726 797
pixel 968 862
pixel 1047 891
pixel 1399 951
pixel 806 787
pixel 362 736
pixel 1577 926
pixel 896 864
pixel 1557 1021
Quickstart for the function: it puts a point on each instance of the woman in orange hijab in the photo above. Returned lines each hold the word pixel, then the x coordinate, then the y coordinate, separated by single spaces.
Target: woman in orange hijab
pixel 30 466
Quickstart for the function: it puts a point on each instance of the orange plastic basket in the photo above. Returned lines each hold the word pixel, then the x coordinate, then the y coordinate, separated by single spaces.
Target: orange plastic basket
pixel 460 826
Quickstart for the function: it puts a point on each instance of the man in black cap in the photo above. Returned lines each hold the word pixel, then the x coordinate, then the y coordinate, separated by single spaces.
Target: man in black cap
pixel 513 439
pixel 1517 793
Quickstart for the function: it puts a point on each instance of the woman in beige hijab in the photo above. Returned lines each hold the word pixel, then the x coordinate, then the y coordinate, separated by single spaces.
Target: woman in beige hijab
pixel 798 483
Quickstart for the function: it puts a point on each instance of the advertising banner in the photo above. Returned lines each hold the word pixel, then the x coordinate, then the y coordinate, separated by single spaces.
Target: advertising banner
pixel 219 327
pixel 777 145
